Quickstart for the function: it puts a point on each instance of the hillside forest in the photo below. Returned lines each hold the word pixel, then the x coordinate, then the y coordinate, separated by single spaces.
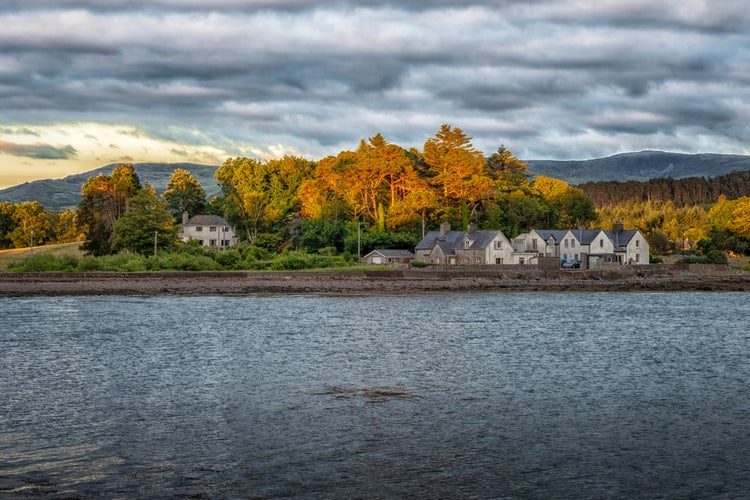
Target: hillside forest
pixel 381 195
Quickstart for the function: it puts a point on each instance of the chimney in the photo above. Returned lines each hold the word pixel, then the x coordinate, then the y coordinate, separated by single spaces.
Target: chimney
pixel 445 227
pixel 472 227
pixel 185 218
pixel 618 227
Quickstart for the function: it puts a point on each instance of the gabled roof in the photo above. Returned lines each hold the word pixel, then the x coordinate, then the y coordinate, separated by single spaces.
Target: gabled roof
pixel 207 220
pixel 620 239
pixel 585 236
pixel 394 253
pixel 557 234
pixel 454 240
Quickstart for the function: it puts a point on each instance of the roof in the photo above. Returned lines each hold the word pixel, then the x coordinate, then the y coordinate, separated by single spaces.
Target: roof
pixel 394 253
pixel 453 240
pixel 586 236
pixel 620 239
pixel 557 234
pixel 207 220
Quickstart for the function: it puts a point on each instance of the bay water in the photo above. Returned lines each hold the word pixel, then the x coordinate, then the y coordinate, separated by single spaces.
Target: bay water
pixel 470 395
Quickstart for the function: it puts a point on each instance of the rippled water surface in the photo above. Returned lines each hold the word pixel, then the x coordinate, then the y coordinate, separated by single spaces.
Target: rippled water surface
pixel 427 396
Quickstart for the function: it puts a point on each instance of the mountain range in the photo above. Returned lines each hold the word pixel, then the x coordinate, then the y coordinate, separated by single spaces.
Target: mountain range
pixel 640 166
pixel 60 194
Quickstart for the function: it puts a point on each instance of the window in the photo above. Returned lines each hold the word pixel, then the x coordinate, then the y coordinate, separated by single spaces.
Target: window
pixel 637 256
pixel 521 260
pixel 498 260
pixel 467 243
pixel 533 244
pixel 212 229
pixel 498 245
pixel 199 229
pixel 637 244
pixel 566 242
pixel 601 243
pixel 212 243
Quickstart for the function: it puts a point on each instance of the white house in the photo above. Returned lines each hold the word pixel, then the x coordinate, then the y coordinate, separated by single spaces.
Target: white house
pixel 620 246
pixel 470 247
pixel 561 243
pixel 209 230
pixel 592 247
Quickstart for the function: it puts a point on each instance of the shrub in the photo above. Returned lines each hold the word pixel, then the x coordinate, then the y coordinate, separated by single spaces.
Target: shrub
pixel 269 241
pixel 90 263
pixel 228 260
pixel 716 257
pixel 290 261
pixel 417 263
pixel 45 263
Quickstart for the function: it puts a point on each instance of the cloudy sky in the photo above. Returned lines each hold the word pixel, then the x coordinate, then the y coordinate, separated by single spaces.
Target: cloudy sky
pixel 84 83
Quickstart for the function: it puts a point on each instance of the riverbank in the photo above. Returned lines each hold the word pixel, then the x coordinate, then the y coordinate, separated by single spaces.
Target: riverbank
pixel 365 283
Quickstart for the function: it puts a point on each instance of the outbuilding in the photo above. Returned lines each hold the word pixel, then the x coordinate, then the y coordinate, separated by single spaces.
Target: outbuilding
pixel 384 257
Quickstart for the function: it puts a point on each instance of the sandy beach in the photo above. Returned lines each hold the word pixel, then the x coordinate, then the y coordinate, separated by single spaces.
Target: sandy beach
pixel 363 283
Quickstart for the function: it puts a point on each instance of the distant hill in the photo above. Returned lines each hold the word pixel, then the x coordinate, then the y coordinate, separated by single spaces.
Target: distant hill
pixel 58 195
pixel 640 166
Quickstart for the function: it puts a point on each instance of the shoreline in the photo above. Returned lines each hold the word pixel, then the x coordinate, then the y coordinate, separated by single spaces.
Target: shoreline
pixel 351 283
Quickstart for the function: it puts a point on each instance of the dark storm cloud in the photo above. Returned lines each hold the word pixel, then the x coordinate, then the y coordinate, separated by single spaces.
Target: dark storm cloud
pixel 561 78
pixel 38 151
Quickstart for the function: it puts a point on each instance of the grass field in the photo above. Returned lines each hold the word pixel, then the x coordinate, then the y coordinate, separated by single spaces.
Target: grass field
pixel 17 254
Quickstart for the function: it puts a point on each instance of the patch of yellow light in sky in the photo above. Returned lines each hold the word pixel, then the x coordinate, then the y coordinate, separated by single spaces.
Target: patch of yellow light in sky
pixel 95 144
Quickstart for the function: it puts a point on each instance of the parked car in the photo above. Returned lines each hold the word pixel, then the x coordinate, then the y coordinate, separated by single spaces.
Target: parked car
pixel 571 264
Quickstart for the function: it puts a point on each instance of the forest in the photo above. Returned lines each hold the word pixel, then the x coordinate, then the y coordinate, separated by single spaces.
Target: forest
pixel 381 195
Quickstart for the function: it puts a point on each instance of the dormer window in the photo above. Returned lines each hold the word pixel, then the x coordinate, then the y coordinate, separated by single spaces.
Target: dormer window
pixel 551 242
pixel 467 242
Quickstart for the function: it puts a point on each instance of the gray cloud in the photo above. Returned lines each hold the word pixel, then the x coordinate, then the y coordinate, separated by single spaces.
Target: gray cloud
pixel 556 79
pixel 38 151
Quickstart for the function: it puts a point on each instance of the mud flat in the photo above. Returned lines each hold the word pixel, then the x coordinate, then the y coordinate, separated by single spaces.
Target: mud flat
pixel 365 283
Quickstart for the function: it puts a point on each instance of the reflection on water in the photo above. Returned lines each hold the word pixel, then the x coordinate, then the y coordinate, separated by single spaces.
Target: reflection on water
pixel 461 395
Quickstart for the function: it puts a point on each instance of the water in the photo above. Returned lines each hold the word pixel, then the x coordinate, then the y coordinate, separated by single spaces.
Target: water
pixel 425 396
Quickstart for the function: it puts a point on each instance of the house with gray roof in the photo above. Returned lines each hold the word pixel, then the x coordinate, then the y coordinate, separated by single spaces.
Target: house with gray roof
pixel 591 247
pixel 618 246
pixel 385 257
pixel 470 247
pixel 208 230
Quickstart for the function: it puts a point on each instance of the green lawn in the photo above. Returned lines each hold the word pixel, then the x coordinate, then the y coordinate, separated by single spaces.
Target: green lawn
pixel 17 254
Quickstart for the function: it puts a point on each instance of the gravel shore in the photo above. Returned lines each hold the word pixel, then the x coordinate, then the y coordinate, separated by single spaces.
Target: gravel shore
pixel 360 283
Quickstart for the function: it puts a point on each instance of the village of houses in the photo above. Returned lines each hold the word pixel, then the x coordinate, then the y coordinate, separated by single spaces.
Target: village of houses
pixel 549 248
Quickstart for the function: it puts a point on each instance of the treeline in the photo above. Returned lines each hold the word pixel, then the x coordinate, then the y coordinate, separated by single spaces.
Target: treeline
pixel 28 223
pixel 682 192
pixel 379 195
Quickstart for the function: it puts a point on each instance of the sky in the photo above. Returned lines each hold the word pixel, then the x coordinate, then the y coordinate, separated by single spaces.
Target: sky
pixel 86 83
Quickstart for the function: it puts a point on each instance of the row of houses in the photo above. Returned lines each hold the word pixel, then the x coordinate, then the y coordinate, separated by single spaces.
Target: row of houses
pixel 588 248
